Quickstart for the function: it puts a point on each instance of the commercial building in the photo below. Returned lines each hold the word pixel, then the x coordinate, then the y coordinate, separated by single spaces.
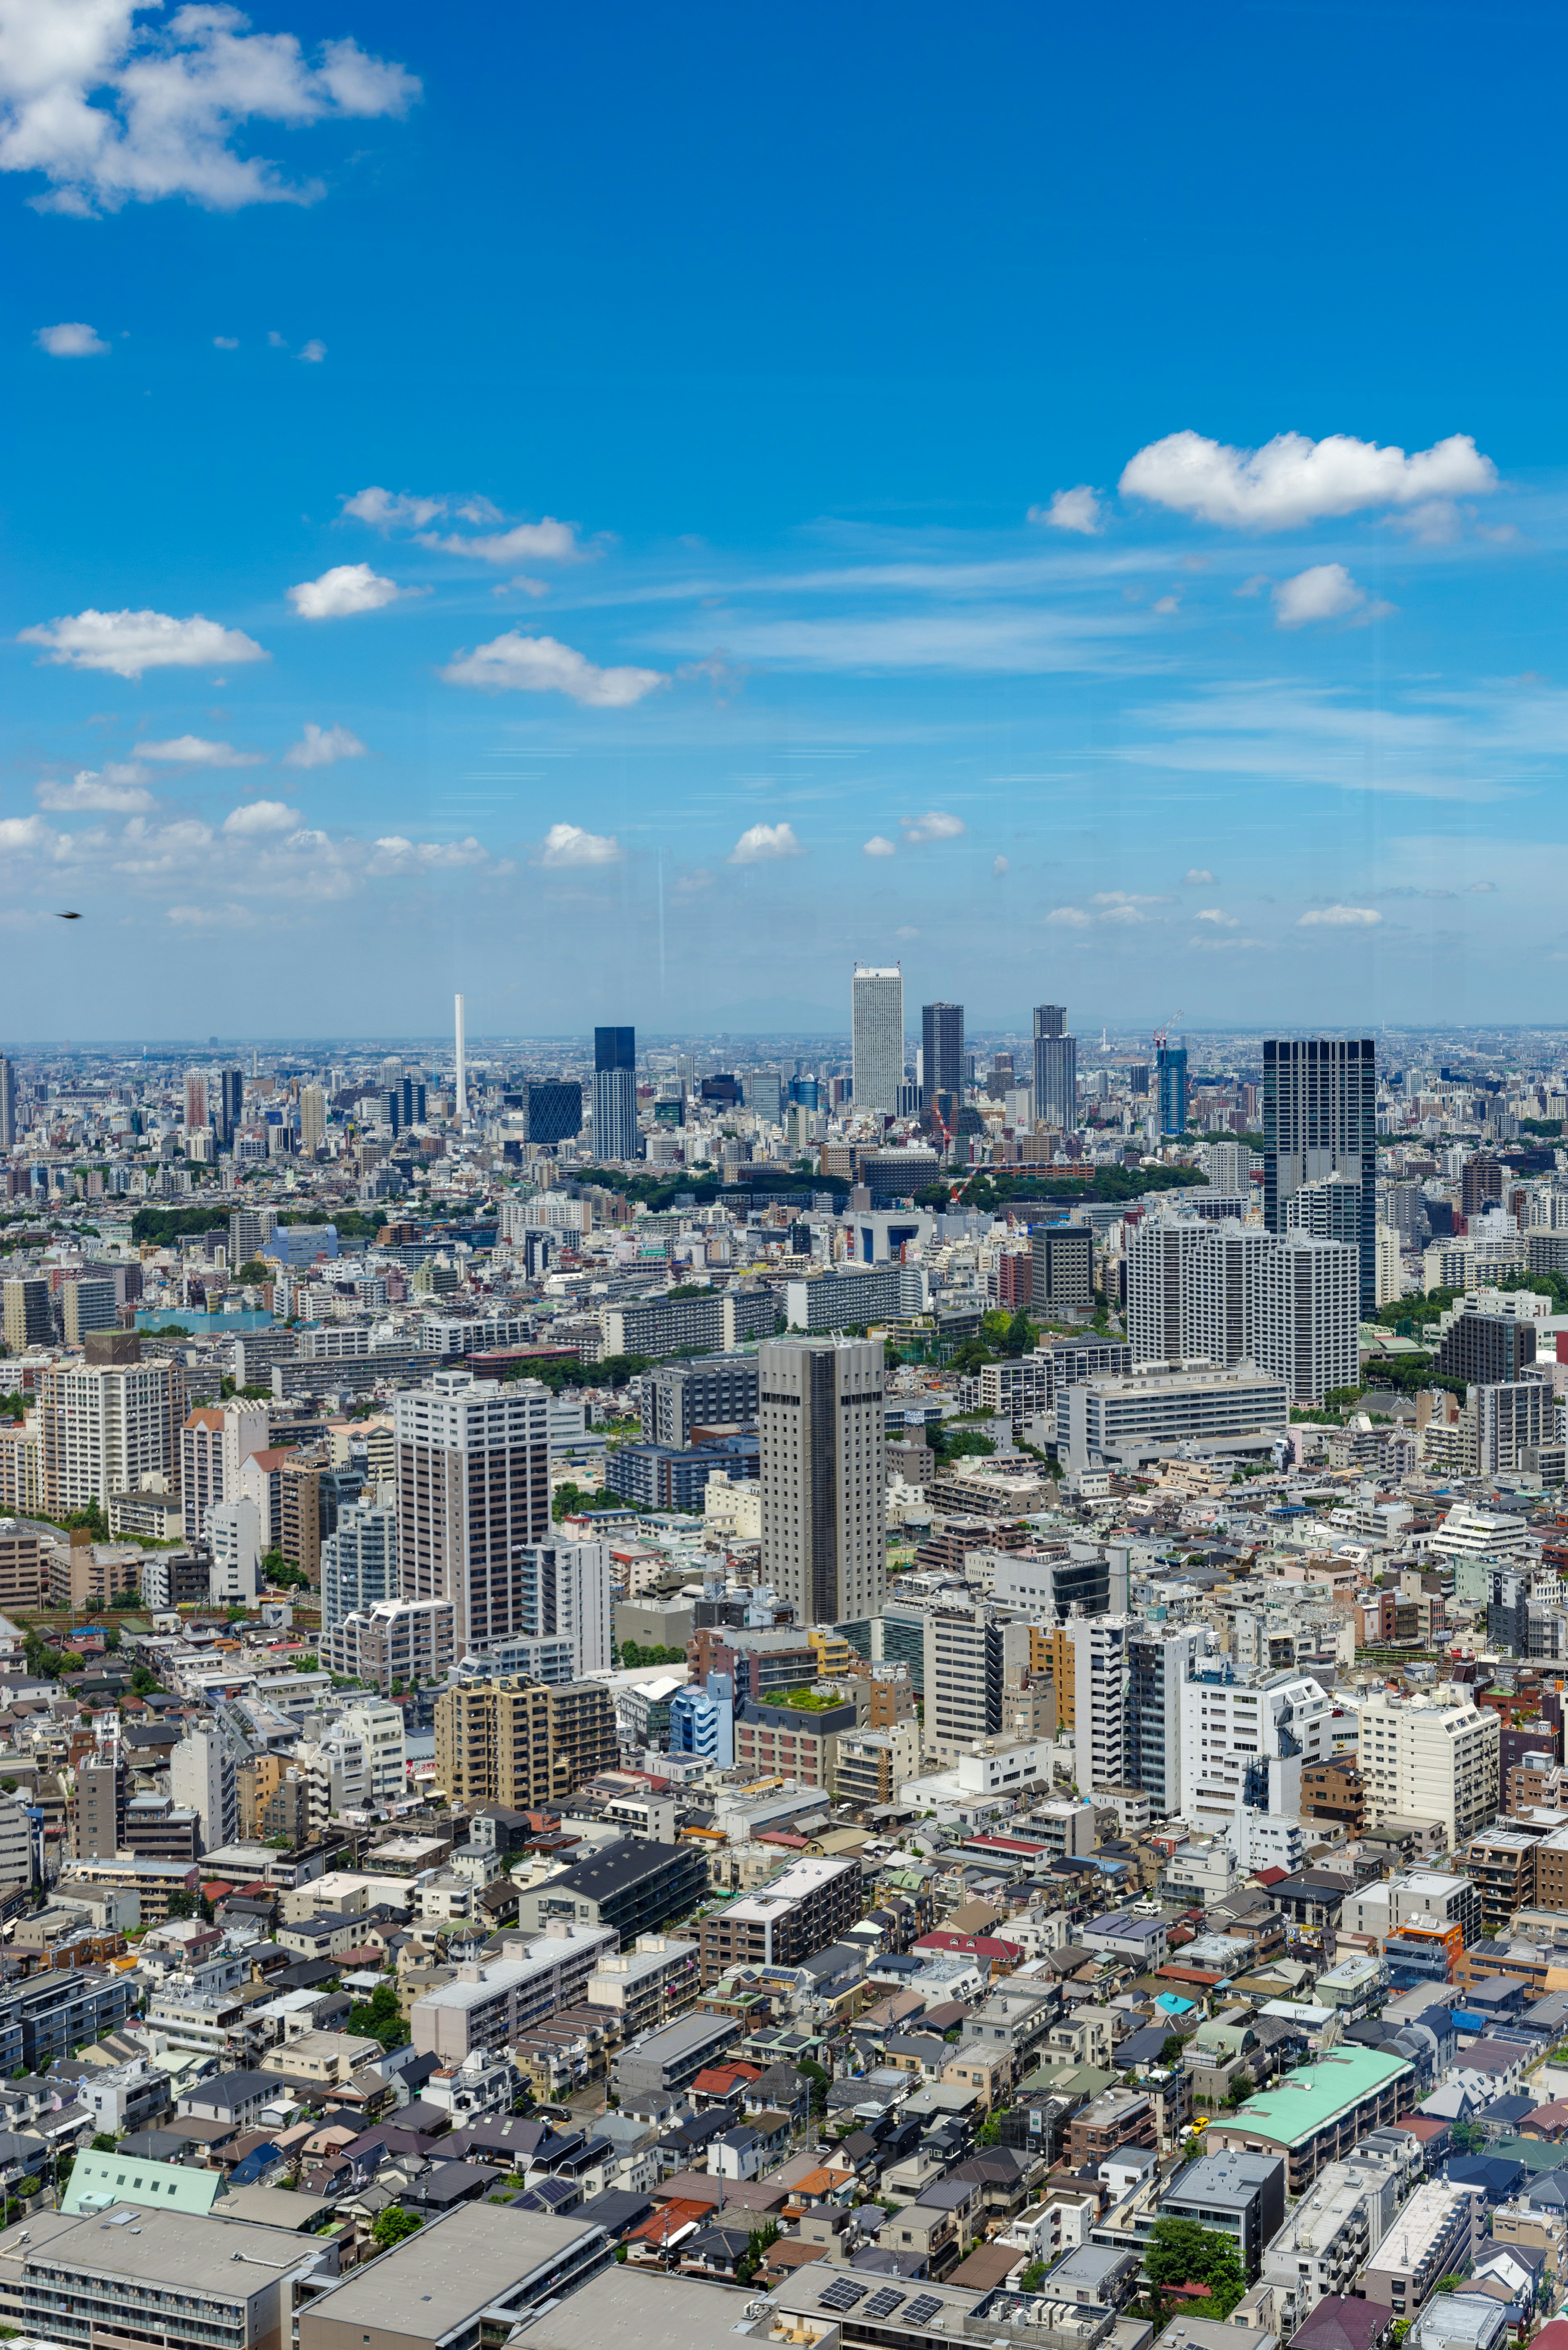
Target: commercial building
pixel 942 1058
pixel 473 1488
pixel 1317 2114
pixel 716 1391
pixel 800 1911
pixel 552 1110
pixel 520 1743
pixel 1056 1067
pixel 1170 1088
pixel 1422 1760
pixel 790 1741
pixel 822 1478
pixel 475 2276
pixel 963 1677
pixel 877 1037
pixel 1320 1120
pixel 616 1135
pixel 1145 1414
pixel 1063 1277
pixel 639 1888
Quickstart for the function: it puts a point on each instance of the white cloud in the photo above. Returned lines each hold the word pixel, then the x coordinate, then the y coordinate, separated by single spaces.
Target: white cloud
pixel 321 746
pixel 260 816
pixel 130 642
pixel 934 826
pixel 544 665
pixel 225 342
pixel 1001 865
pixel 1076 510
pixel 568 844
pixel 339 594
pixel 114 791
pixel 1165 604
pixel 169 99
pixel 761 843
pixel 906 931
pixel 383 510
pixel 1340 918
pixel 191 751
pixel 1292 480
pixel 1068 917
pixel 879 845
pixel 1326 592
pixel 396 854
pixel 1213 914
pixel 21 833
pixel 314 352
pixel 72 342
pixel 1197 874
pixel 532 542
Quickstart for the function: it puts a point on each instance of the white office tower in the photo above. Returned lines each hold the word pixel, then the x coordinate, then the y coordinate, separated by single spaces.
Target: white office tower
pixel 359 1562
pixel 8 1104
pixel 1228 1294
pixel 201 1780
pixel 473 1486
pixel 1159 1663
pixel 877 1037
pixel 567 1595
pixel 312 1121
pixel 1421 1759
pixel 1102 1660
pixel 460 1087
pixel 1244 1743
pixel 233 1539
pixel 824 1520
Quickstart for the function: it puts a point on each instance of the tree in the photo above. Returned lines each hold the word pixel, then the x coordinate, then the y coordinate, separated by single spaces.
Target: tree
pixel 393 2225
pixel 284 1576
pixel 1181 2253
pixel 818 2080
pixel 757 2243
pixel 105 2143
pixel 1467 2138
pixel 378 2018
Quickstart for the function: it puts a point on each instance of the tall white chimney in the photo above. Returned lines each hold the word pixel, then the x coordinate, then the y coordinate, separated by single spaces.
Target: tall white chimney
pixel 461 1066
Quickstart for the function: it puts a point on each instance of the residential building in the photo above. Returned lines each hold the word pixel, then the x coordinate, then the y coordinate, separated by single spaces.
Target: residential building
pixel 359 1561
pixel 647 1986
pixel 520 1744
pixel 396 1643
pixel 1501 1862
pixel 1234 2194
pixel 473 1489
pixel 877 1023
pixel 1101 1649
pixel 636 1887
pixel 233 1539
pixel 1056 1067
pixel 104 1427
pixel 1144 1414
pixel 1424 1760
pixel 941 1055
pixel 1063 1279
pixel 822 1477
pixel 809 1905
pixel 714 1391
pixel 88 1305
pixel 871 1766
pixel 489 2004
pixel 963 1677
pixel 1230 1294
pixel 1170 1083
pixel 1331 2233
pixel 615 1136
pixel 845 1298
pixel 791 1741
pixel 29 1319
pixel 1431 2238
pixel 714 1322
pixel 1159 1663
pixel 1486 1349
pixel 81 2277
pixel 1245 1742
pixel 201 1780
pixel 98 1806
pixel 1320 1120
pixel 1317 2116
pixel 476 2277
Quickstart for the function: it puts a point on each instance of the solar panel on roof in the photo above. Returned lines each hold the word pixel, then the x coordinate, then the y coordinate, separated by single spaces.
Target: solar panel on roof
pixel 842 2295
pixel 883 2303
pixel 922 2312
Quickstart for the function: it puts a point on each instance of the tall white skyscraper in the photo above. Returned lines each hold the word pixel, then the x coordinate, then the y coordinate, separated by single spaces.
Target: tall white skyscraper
pixel 824 1517
pixel 878 1024
pixel 473 1487
pixel 1229 1293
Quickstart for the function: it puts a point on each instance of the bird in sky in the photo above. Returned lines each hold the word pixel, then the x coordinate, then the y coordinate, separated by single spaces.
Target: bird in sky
pixel 68 918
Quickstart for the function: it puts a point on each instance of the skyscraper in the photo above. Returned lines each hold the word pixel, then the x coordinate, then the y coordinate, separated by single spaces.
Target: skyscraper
pixel 8 1104
pixel 231 1102
pixel 1320 1118
pixel 941 1054
pixel 878 1024
pixel 312 1120
pixel 614 1093
pixel 1055 1066
pixel 824 1540
pixel 473 1487
pixel 196 1098
pixel 1171 1061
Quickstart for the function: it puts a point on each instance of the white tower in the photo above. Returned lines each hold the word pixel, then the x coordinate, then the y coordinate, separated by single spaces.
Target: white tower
pixel 461 1066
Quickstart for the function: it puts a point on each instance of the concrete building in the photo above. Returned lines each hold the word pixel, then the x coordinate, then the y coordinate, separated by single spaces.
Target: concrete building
pixel 473 1487
pixel 1432 2237
pixel 397 1641
pixel 233 1537
pixel 713 1391
pixel 1146 1415
pixel 492 2002
pixel 964 1659
pixel 1159 1663
pixel 1245 1743
pixel 359 1561
pixel 483 2273
pixel 1317 2116
pixel 823 1476
pixel 877 1037
pixel 1331 2233
pixel 89 2277
pixel 1229 1294
pixel 1234 2194
pixel 1320 1120
pixel 1422 1759
pixel 520 1743
pixel 201 1780
pixel 634 1887
pixel 1100 1648
pixel 809 1905
pixel 104 1427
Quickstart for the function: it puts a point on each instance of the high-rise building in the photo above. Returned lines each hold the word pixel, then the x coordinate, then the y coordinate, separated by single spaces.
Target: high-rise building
pixel 201 1780
pixel 1245 1743
pixel 98 1804
pixel 88 1305
pixel 1421 1759
pixel 823 1475
pixel 1160 1662
pixel 312 1120
pixel 104 1427
pixel 1101 1651
pixel 1320 1118
pixel 615 1094
pixel 29 1315
pixel 235 1543
pixel 520 1744
pixel 8 1104
pixel 764 1096
pixel 231 1103
pixel 1170 1072
pixel 552 1110
pixel 1062 1275
pixel 359 1562
pixel 1056 1067
pixel 473 1488
pixel 195 1100
pixel 567 1595
pixel 963 1677
pixel 941 1054
pixel 878 1024
pixel 1228 1294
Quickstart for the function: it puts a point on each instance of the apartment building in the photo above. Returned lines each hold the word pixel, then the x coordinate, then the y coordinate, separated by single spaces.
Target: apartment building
pixel 1433 2237
pixel 799 1913
pixel 963 1669
pixel 1422 1759
pixel 824 1477
pixel 1101 1648
pixel 1502 1864
pixel 1228 1294
pixel 1245 1742
pixel 473 1487
pixel 198 2281
pixel 1324 2242
pixel 406 1641
pixel 647 1986
pixel 104 1427
pixel 488 2004
pixel 792 1741
pixel 24 1577
pixel 1317 2116
pixel 519 1744
pixel 634 1887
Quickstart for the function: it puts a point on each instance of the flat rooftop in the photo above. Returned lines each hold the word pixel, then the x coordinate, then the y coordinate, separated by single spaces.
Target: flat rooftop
pixel 659 2313
pixel 446 2274
pixel 174 2248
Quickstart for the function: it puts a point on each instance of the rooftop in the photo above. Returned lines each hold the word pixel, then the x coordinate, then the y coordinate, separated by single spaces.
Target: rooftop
pixel 446 2274
pixel 1312 2095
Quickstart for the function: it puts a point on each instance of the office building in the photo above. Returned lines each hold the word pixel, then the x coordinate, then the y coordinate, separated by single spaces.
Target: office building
pixel 1064 1270
pixel 552 1110
pixel 822 1477
pixel 963 1677
pixel 473 1487
pixel 797 1914
pixel 877 1037
pixel 615 1094
pixel 230 1103
pixel 1170 1077
pixel 359 1562
pixel 8 1120
pixel 1244 1743
pixel 195 1101
pixel 201 1780
pixel 1056 1067
pixel 1420 1760
pixel 715 1391
pixel 104 1427
pixel 1144 1414
pixel 941 1059
pixel 1158 1664
pixel 1226 1294
pixel 1320 1120
pixel 88 1305
pixel 520 1744
pixel 312 1121
pixel 765 1094
pixel 1486 1349
pixel 29 1316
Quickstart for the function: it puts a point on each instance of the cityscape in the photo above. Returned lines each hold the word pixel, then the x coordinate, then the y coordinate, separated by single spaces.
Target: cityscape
pixel 783 1178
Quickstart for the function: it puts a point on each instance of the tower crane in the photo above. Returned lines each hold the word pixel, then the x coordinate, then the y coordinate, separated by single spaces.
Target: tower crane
pixel 1161 1033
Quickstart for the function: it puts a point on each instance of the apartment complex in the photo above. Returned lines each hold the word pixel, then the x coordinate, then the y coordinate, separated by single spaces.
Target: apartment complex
pixel 1422 1760
pixel 519 1744
pixel 104 1425
pixel 473 1487
pixel 823 1476
pixel 809 1905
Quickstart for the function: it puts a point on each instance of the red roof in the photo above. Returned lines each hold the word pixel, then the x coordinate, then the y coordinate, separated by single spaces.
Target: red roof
pixel 718 2080
pixel 1271 1875
pixel 979 1946
pixel 1425 2126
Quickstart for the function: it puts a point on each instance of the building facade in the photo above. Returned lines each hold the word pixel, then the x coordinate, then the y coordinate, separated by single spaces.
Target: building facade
pixel 822 1477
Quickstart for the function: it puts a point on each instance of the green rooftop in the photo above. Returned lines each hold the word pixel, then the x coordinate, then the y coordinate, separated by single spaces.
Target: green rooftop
pixel 97 2181
pixel 1306 2100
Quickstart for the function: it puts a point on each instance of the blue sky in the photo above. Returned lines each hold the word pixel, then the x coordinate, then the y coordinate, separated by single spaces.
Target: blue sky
pixel 793 431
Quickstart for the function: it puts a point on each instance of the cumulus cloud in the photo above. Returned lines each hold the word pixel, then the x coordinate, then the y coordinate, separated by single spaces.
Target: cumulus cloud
pixel 260 816
pixel 568 845
pixel 398 855
pixel 72 342
pixel 339 594
pixel 542 665
pixel 314 352
pixel 531 542
pixel 18 833
pixel 1213 914
pixel 934 826
pixel 1165 604
pixel 1197 874
pixel 1325 592
pixel 1292 480
pixel 383 510
pixel 1339 917
pixel 1068 917
pixel 192 750
pixel 762 843
pixel 879 845
pixel 110 112
pixel 1001 865
pixel 321 746
pixel 1076 510
pixel 113 791
pixel 225 342
pixel 128 643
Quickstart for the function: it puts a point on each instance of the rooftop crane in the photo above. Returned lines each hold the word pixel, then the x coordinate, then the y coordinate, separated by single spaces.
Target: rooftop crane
pixel 1161 1033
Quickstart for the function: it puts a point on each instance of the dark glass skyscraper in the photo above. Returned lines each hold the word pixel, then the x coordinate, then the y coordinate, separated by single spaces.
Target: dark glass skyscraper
pixel 1171 1074
pixel 231 1103
pixel 1320 1118
pixel 614 1093
pixel 1056 1067
pixel 941 1051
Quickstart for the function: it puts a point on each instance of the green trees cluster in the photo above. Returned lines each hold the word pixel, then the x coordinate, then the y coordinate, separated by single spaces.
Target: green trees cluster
pixel 393 2224
pixel 633 1654
pixel 1181 2253
pixel 283 1577
pixel 377 2018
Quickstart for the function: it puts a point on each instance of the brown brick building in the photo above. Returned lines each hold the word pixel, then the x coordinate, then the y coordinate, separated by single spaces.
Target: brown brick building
pixel 785 1921
pixel 1116 2118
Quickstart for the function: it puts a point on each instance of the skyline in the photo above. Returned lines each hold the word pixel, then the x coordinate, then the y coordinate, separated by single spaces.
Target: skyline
pixel 391 613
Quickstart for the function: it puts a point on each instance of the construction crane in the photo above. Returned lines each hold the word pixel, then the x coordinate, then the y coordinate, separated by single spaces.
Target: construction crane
pixel 1161 1033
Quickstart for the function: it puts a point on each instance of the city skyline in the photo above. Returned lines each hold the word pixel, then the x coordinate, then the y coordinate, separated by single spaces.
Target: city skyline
pixel 574 655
